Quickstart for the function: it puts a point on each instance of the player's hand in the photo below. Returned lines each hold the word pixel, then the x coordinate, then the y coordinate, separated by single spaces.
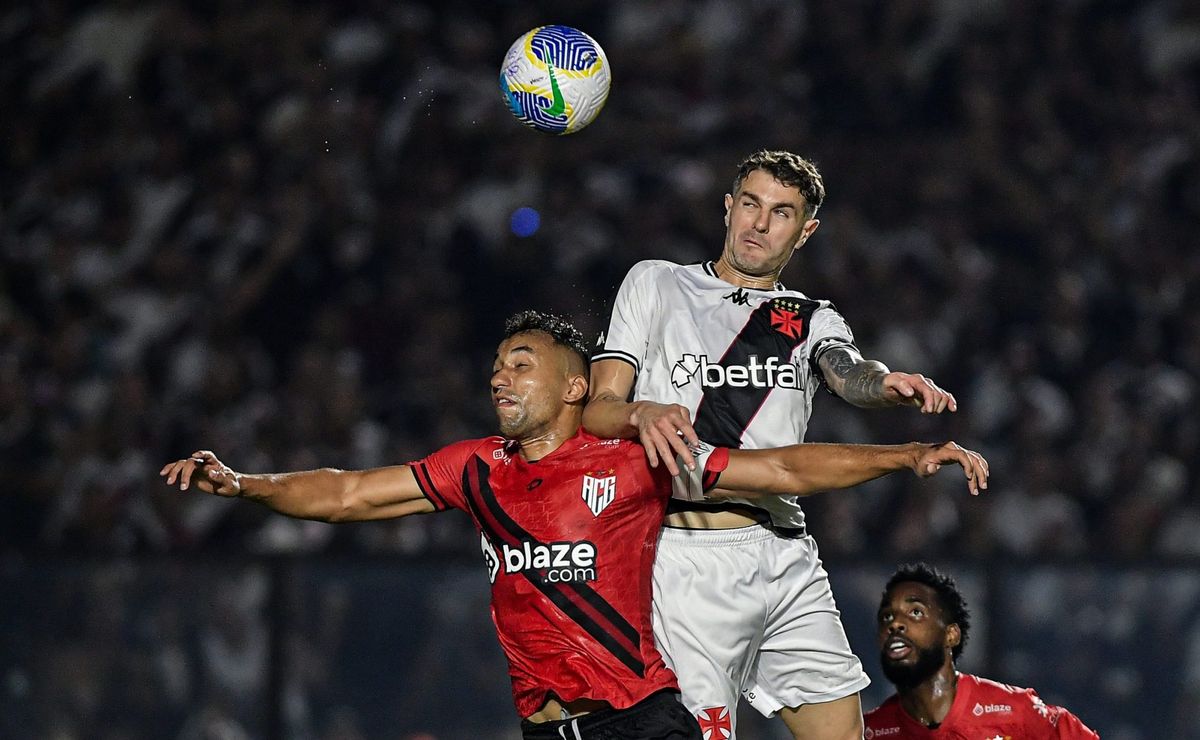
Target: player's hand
pixel 206 471
pixel 665 430
pixel 933 457
pixel 914 389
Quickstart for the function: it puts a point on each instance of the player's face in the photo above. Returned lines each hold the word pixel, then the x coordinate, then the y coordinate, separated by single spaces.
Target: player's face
pixel 914 641
pixel 528 380
pixel 765 225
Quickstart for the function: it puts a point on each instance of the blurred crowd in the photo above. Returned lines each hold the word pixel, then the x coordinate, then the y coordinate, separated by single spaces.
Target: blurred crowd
pixel 281 231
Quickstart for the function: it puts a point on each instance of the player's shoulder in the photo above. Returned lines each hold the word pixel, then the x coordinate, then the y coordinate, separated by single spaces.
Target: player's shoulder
pixel 994 696
pixel 490 448
pixel 785 293
pixel 655 269
pixel 988 687
pixel 884 719
pixel 589 442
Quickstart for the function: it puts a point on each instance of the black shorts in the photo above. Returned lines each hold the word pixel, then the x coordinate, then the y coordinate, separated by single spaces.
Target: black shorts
pixel 657 717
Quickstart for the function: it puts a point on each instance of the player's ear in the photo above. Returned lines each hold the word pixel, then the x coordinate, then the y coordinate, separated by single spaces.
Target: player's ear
pixel 577 388
pixel 809 227
pixel 728 205
pixel 953 636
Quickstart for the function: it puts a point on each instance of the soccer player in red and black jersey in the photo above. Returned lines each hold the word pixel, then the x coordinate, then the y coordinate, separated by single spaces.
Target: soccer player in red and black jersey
pixel 568 526
pixel 923 625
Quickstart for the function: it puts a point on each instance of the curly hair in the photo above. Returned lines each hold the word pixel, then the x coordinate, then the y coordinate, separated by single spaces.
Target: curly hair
pixel 950 600
pixel 562 331
pixel 791 170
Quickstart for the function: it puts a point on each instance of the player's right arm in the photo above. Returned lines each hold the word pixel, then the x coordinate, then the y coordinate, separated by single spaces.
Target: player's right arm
pixel 327 494
pixel 664 429
pixel 808 468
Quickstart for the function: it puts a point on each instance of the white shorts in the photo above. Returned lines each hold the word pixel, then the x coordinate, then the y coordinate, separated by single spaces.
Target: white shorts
pixel 747 612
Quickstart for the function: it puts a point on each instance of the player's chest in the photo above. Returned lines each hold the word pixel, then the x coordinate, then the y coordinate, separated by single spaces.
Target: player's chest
pixel 553 501
pixel 717 317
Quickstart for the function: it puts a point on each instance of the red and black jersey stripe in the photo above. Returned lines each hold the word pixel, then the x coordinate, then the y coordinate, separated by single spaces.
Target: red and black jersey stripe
pixel 425 483
pixel 579 601
pixel 776 328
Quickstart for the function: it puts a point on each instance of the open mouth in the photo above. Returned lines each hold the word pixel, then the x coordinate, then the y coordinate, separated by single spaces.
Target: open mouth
pixel 897 649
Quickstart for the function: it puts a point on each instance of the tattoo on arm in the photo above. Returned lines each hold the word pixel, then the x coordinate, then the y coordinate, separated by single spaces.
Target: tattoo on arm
pixel 857 381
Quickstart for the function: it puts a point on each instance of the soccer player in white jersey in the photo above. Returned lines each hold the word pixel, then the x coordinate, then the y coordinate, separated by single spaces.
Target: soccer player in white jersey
pixel 722 352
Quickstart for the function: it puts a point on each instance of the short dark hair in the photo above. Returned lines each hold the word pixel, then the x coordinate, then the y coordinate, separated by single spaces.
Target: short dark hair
pixel 950 600
pixel 790 169
pixel 562 331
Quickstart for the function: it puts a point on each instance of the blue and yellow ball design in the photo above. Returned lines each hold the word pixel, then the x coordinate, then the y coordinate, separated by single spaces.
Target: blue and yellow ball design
pixel 555 79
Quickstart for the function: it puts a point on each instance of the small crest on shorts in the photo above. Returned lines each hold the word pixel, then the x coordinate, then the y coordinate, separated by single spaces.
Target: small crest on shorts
pixel 599 490
pixel 715 723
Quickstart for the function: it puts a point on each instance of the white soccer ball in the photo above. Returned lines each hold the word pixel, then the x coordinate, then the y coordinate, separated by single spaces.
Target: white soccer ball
pixel 555 79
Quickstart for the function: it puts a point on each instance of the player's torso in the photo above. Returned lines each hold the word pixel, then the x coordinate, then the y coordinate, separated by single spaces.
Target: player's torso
pixel 590 504
pixel 569 544
pixel 736 357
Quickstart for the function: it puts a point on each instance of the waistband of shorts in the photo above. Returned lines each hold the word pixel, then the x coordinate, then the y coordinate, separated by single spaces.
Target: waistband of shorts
pixel 595 720
pixel 736 536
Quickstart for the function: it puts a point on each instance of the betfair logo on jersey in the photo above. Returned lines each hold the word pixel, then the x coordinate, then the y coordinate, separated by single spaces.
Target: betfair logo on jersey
pixel 755 374
pixel 555 562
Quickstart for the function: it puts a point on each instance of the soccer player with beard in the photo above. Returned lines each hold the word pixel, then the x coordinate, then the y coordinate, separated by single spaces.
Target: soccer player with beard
pixel 923 626
pixel 568 527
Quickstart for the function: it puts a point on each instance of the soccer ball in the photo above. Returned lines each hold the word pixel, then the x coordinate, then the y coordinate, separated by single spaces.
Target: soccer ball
pixel 555 79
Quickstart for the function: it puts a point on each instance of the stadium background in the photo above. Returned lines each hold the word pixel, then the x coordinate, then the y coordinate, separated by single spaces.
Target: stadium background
pixel 282 231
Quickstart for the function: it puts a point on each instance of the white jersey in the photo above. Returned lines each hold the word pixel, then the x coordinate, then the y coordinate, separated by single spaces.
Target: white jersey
pixel 742 360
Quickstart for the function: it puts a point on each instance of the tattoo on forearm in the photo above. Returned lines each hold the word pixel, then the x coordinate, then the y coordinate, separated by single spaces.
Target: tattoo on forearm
pixel 864 385
pixel 856 380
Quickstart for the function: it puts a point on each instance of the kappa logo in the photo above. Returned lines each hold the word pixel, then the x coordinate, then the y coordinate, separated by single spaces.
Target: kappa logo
pixel 755 374
pixel 599 490
pixel 738 297
pixel 981 709
pixel 715 723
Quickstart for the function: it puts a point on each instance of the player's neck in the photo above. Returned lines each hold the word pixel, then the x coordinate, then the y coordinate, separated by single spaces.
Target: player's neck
pixel 545 441
pixel 733 276
pixel 930 701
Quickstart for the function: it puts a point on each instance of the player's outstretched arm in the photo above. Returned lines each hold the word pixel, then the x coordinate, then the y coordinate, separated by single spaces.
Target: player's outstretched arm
pixel 664 429
pixel 869 383
pixel 327 495
pixel 808 468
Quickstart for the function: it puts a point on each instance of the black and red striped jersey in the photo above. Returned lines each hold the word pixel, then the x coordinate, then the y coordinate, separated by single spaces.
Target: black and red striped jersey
pixel 742 360
pixel 569 543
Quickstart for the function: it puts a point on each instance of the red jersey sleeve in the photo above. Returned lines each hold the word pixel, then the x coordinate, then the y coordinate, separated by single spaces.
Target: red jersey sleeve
pixel 440 474
pixel 1062 723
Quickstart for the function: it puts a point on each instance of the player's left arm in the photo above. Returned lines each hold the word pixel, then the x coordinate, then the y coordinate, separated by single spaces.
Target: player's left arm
pixel 808 468
pixel 870 384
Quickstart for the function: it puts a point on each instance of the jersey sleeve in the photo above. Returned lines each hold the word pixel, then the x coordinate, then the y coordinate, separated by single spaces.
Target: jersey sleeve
pixel 694 485
pixel 440 474
pixel 828 329
pixel 1060 722
pixel 633 313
